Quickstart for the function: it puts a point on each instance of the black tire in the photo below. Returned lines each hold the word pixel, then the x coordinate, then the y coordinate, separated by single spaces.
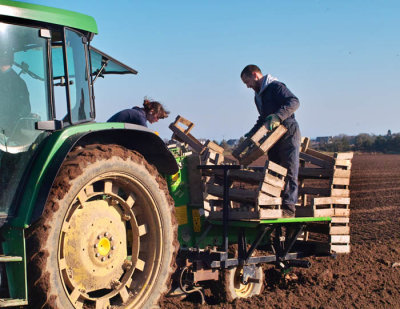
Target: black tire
pixel 235 289
pixel 107 237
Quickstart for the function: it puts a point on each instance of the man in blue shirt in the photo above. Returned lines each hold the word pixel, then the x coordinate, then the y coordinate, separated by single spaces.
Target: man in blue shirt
pixel 276 105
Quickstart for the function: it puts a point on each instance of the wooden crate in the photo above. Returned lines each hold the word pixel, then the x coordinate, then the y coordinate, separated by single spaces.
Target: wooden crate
pixel 340 181
pixel 338 231
pixel 333 173
pixel 214 147
pixel 257 145
pixel 325 247
pixel 340 249
pixel 210 157
pixel 325 207
pixel 339 226
pixel 211 204
pixel 340 235
pixel 262 202
pixel 181 128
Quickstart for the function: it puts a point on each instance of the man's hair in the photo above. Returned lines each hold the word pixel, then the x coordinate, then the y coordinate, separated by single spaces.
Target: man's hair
pixel 249 69
pixel 156 108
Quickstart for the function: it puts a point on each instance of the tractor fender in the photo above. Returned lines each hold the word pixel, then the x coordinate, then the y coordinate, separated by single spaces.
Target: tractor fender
pixel 132 137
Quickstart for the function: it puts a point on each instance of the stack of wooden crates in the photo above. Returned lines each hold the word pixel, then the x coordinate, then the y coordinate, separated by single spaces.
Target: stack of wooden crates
pixel 256 193
pixel 324 192
pixel 208 153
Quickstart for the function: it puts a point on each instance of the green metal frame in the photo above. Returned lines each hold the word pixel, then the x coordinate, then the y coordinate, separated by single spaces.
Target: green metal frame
pixel 48 15
pixel 256 223
pixel 179 190
pixel 13 246
pixel 191 226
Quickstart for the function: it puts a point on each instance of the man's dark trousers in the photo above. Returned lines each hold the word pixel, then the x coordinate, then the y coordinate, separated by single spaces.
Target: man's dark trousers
pixel 286 153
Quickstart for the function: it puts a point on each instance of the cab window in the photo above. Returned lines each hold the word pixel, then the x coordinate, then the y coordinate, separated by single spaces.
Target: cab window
pixel 79 92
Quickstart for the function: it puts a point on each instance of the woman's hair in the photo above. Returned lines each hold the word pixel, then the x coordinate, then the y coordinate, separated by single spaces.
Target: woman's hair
pixel 156 108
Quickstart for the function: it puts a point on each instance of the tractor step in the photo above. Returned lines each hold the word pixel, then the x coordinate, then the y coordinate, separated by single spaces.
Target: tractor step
pixel 9 302
pixel 7 258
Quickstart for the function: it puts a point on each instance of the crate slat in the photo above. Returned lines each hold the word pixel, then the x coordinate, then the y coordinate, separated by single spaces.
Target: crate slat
pixel 316 161
pixel 270 190
pixel 339 230
pixel 340 220
pixel 345 163
pixel 320 155
pixel 339 212
pixel 266 200
pixel 343 155
pixel 340 181
pixel 340 248
pixel 331 200
pixel 340 239
pixel 276 168
pixel 270 213
pixel 274 181
pixel 272 138
pixel 340 192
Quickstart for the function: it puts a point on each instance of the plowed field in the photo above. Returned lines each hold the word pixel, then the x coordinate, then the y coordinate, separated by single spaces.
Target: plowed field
pixel 368 277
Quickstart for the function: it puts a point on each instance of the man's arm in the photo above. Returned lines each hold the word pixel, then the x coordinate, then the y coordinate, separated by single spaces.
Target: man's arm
pixel 288 101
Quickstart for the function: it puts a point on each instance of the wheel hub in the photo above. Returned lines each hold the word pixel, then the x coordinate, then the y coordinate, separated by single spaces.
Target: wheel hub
pixel 95 245
pixel 103 246
pixel 242 290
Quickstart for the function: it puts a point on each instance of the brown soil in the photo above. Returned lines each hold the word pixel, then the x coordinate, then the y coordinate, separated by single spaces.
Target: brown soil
pixel 367 277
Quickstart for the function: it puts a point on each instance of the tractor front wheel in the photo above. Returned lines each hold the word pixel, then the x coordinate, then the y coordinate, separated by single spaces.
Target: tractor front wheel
pixel 107 237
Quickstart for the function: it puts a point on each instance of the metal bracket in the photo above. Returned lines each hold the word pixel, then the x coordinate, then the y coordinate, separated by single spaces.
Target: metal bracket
pixel 51 125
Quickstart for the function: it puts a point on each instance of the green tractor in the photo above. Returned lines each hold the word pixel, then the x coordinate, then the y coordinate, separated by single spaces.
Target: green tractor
pixel 86 214
pixel 86 218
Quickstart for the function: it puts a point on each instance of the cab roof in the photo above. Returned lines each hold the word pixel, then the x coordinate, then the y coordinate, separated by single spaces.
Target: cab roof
pixel 48 15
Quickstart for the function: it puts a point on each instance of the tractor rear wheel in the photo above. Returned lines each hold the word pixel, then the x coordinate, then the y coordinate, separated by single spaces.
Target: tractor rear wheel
pixel 235 288
pixel 107 237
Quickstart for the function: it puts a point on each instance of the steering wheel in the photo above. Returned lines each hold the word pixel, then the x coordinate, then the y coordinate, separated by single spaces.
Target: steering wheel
pixel 22 135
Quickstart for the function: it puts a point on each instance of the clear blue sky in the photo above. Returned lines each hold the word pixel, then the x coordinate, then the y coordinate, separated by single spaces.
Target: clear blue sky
pixel 341 58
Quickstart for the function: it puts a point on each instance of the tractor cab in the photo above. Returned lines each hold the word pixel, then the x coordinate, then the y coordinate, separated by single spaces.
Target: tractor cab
pixel 47 72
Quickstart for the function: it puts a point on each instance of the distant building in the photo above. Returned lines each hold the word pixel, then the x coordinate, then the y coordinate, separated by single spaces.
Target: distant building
pixel 324 139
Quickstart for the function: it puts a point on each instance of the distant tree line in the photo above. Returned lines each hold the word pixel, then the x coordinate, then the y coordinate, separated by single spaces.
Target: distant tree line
pixel 389 143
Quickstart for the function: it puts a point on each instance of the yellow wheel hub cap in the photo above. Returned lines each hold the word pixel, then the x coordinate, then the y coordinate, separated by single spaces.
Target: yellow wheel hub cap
pixel 104 246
